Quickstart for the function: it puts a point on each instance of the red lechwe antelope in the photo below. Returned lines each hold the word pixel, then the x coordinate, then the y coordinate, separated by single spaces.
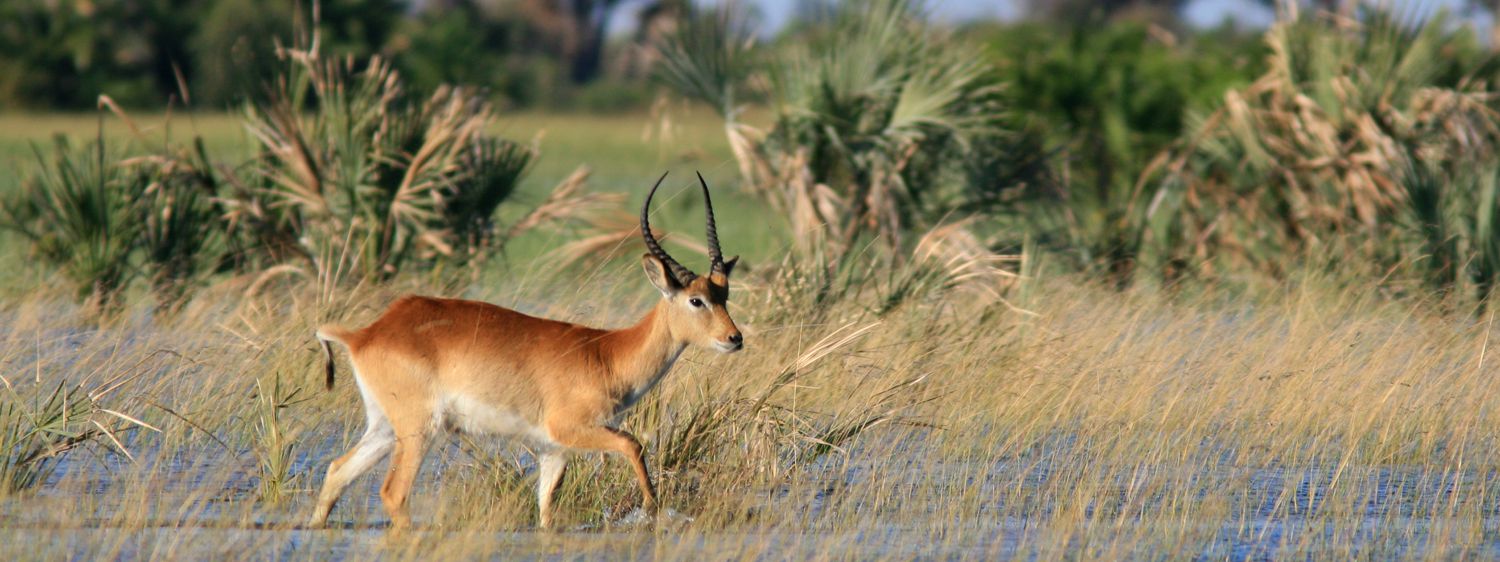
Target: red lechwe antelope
pixel 429 363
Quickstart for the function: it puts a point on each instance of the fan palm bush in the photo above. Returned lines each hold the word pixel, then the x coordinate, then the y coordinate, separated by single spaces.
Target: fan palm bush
pixel 1484 224
pixel 1430 204
pixel 102 220
pixel 881 126
pixel 180 235
pixel 80 213
pixel 1450 217
pixel 1355 125
pixel 356 175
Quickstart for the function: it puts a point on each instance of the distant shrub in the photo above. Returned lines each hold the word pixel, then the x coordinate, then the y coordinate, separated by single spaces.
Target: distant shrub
pixel 65 54
pixel 1109 98
pixel 233 46
pixel 611 96
pixel 426 48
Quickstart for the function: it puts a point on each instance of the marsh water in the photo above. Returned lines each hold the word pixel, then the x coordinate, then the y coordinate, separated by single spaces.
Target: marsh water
pixel 196 512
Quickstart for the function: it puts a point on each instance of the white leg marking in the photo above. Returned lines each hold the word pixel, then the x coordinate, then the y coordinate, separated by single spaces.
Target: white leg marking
pixel 549 472
pixel 375 444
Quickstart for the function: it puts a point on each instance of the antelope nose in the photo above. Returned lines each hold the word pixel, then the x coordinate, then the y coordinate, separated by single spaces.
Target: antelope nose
pixel 736 339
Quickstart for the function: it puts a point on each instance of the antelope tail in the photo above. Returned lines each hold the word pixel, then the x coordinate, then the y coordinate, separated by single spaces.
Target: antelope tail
pixel 328 334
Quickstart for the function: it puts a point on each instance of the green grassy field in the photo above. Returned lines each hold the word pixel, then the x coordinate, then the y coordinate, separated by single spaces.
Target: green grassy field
pixel 1312 420
pixel 625 151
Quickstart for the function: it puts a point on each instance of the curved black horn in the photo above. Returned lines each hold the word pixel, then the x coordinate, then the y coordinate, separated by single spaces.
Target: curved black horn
pixel 715 257
pixel 683 274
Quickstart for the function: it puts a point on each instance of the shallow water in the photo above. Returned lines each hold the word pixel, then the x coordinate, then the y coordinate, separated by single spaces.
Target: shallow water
pixel 202 507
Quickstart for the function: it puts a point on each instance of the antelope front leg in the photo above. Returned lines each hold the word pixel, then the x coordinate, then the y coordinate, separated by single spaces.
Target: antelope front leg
pixel 634 453
pixel 599 438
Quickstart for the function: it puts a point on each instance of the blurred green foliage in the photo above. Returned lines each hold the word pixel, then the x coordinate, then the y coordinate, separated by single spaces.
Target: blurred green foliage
pixel 65 53
pixel 62 54
pixel 1107 98
pixel 466 44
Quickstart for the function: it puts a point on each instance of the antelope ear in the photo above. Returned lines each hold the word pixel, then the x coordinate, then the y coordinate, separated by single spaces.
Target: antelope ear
pixel 722 279
pixel 660 276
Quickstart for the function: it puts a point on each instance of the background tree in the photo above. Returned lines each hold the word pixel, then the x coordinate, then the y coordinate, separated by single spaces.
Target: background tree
pixel 575 30
pixel 66 53
pixel 1082 11
pixel 234 45
pixel 233 48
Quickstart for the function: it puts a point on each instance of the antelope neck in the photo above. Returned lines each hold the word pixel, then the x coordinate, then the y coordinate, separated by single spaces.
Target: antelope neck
pixel 641 352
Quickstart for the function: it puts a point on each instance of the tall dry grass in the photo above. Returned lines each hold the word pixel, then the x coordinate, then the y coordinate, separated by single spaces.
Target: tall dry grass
pixel 1307 422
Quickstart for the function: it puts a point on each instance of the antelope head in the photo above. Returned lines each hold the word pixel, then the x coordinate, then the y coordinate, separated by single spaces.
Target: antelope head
pixel 695 305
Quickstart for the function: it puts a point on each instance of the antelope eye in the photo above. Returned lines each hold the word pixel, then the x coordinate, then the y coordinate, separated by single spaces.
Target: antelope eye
pixel 696 302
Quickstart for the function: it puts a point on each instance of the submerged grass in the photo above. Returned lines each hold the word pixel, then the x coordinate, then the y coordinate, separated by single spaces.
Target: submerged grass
pixel 1306 421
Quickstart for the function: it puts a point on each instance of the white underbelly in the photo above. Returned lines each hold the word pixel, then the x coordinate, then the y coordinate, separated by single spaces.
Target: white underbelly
pixel 468 415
